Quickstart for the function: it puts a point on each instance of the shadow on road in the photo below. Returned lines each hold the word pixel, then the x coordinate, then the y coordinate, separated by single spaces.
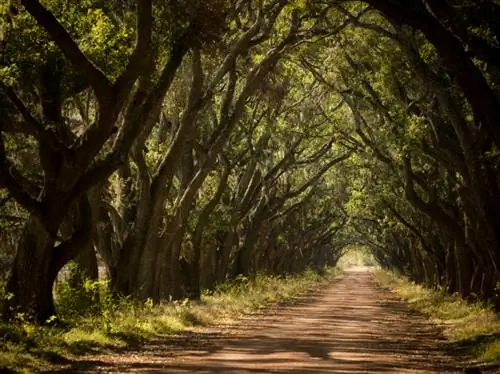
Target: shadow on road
pixel 351 327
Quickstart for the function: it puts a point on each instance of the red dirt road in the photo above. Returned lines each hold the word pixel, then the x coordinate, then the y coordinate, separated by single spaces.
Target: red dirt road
pixel 350 327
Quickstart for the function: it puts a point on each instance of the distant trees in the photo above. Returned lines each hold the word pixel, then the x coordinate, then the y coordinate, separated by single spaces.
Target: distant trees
pixel 185 149
pixel 426 112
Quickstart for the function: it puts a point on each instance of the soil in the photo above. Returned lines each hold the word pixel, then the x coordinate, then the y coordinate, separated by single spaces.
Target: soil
pixel 352 326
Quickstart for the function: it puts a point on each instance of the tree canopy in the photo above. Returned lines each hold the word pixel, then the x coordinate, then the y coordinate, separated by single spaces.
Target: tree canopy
pixel 181 144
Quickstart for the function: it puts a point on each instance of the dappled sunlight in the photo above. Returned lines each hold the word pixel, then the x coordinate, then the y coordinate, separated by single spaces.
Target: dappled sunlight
pixel 357 258
pixel 351 327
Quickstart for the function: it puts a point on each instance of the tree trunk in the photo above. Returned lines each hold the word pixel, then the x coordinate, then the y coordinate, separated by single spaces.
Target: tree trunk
pixel 29 284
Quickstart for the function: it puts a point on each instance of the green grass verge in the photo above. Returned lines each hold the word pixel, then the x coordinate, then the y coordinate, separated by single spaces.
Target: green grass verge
pixel 473 328
pixel 125 324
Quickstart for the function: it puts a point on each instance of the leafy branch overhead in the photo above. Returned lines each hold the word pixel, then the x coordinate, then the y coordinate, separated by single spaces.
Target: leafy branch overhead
pixel 180 144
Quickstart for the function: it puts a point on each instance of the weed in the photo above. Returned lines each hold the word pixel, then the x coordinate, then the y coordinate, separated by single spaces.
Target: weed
pixel 118 323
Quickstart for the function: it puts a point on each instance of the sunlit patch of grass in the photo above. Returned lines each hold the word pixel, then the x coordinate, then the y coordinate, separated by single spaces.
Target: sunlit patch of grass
pixel 385 279
pixel 473 327
pixel 18 358
pixel 124 323
pixel 244 296
pixel 78 340
pixel 492 352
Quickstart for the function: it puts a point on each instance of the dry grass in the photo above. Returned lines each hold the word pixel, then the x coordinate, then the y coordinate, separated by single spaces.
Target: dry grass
pixel 124 323
pixel 473 327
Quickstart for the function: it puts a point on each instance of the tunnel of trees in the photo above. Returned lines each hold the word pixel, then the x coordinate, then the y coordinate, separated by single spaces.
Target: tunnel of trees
pixel 182 143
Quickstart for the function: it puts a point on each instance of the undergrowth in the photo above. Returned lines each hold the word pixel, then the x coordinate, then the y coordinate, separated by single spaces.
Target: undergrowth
pixel 109 323
pixel 474 328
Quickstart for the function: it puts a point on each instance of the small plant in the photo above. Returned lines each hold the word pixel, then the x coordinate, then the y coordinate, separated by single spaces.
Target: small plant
pixel 111 322
pixel 80 298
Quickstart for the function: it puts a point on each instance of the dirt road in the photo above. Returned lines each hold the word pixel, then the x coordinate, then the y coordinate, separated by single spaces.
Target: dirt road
pixel 350 327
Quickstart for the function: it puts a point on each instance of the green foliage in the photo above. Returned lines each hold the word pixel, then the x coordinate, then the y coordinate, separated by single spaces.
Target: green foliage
pixel 233 286
pixel 351 83
pixel 356 256
pixel 115 323
pixel 92 299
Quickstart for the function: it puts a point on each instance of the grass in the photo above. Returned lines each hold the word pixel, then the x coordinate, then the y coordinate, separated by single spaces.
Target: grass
pixel 474 328
pixel 124 324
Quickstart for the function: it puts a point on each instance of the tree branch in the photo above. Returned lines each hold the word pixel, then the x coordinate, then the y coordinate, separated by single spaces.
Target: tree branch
pixel 318 175
pixel 433 210
pixel 69 48
pixel 128 134
pixel 142 52
pixel 81 237
pixel 11 179
pixel 411 227
pixel 31 124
